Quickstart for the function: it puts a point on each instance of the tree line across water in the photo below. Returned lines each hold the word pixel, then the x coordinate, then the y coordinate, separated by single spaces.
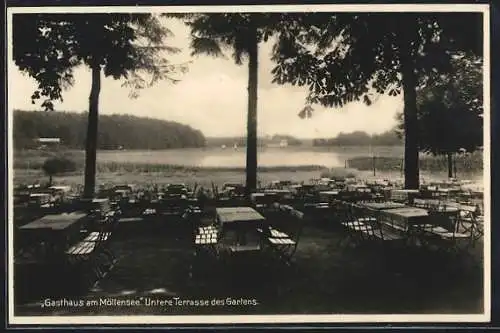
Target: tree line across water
pixel 241 141
pixel 115 131
pixel 131 132
pixel 360 138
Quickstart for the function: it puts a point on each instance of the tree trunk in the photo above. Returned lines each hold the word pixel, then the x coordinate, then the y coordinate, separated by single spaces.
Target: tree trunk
pixel 450 165
pixel 91 143
pixel 374 165
pixel 454 160
pixel 409 78
pixel 251 162
pixel 50 180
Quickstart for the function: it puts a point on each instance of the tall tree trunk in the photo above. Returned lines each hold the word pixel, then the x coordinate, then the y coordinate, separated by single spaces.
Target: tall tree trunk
pixel 450 165
pixel 91 143
pixel 50 180
pixel 409 78
pixel 251 163
pixel 454 160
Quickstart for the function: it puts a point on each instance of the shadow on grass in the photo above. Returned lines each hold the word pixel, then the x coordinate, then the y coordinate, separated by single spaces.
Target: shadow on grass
pixel 323 279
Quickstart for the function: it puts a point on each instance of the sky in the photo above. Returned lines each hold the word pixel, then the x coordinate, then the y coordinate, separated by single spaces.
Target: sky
pixel 212 97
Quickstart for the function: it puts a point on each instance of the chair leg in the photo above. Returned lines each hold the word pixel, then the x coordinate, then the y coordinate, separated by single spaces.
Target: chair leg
pixel 88 274
pixel 110 256
pixel 98 267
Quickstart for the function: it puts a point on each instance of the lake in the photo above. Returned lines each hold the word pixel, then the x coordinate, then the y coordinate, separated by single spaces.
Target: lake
pixel 229 157
pixel 218 158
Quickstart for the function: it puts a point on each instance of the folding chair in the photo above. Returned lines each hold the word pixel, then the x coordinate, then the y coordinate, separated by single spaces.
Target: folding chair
pixel 471 223
pixel 92 257
pixel 447 238
pixel 354 229
pixel 284 242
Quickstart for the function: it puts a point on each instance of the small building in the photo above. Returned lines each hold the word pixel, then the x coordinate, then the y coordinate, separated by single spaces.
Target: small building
pixel 48 140
pixel 44 143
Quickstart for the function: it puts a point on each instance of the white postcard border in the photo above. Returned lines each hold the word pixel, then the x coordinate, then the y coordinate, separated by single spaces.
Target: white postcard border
pixel 266 319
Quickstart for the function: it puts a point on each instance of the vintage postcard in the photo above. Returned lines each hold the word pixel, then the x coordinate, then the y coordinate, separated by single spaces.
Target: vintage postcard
pixel 249 164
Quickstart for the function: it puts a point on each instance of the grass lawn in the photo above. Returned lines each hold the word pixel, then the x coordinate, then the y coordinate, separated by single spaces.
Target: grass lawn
pixel 153 262
pixel 200 177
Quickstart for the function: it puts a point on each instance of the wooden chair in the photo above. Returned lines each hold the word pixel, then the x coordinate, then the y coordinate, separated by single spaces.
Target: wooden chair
pixel 340 211
pixel 204 252
pixel 471 223
pixel 446 237
pixel 353 228
pixel 92 256
pixel 368 226
pixel 282 243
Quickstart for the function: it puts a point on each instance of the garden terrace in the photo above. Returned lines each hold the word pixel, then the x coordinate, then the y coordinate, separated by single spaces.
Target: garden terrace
pixel 363 252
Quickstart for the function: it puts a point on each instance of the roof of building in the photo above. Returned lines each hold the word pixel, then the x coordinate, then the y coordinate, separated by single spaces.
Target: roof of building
pixel 48 140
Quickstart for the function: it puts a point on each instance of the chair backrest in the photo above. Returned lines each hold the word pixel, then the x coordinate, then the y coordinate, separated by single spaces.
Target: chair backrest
pixel 366 224
pixel 340 210
pixel 104 226
pixel 371 229
pixel 295 226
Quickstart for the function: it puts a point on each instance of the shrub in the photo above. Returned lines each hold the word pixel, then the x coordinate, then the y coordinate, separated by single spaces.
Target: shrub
pixel 58 165
pixel 339 173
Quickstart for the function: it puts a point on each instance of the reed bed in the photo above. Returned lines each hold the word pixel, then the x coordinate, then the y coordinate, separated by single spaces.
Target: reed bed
pixel 465 164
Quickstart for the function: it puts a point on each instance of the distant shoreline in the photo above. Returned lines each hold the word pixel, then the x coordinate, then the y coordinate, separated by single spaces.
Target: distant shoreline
pixel 179 166
pixel 385 159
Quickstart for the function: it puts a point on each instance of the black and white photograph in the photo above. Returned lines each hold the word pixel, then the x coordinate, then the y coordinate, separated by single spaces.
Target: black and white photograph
pixel 248 164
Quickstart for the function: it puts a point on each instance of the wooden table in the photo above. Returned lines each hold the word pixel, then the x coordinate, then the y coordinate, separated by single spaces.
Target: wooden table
pixel 244 222
pixel 383 205
pixel 328 196
pixel 262 199
pixel 231 215
pixel 281 194
pixel 374 209
pixel 39 199
pixel 404 195
pixel 99 205
pixel 360 188
pixel 436 204
pixel 403 218
pixel 57 229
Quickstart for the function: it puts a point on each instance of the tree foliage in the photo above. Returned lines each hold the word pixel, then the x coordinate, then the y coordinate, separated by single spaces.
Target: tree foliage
pixel 126 131
pixel 215 34
pixel 347 57
pixel 48 47
pixel 450 109
pixel 360 138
